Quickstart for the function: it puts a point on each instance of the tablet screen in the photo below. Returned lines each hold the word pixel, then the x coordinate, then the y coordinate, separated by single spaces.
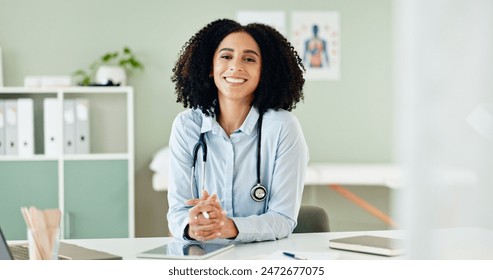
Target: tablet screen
pixel 185 250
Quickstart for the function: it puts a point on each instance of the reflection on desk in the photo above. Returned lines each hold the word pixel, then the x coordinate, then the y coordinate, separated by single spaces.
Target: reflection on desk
pixel 300 242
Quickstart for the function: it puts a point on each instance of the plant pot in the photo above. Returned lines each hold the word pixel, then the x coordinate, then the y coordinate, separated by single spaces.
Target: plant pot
pixel 107 74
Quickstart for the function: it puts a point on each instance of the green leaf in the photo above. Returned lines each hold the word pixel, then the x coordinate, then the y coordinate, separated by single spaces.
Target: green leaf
pixel 125 59
pixel 79 72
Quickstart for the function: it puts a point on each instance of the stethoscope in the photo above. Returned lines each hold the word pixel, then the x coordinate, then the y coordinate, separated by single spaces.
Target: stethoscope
pixel 258 192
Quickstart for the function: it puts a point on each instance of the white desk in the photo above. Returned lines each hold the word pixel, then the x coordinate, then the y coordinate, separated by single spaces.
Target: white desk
pixel 310 242
pixel 353 174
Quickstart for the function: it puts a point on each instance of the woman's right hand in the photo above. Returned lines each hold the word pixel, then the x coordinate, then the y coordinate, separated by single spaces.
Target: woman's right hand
pixel 204 228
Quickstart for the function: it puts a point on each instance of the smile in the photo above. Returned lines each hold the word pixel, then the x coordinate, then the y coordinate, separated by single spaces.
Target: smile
pixel 234 80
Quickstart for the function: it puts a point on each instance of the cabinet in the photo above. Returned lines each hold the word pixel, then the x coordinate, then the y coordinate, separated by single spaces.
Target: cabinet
pixel 95 191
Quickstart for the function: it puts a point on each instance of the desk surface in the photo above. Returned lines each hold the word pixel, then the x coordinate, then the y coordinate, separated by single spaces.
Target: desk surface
pixel 128 248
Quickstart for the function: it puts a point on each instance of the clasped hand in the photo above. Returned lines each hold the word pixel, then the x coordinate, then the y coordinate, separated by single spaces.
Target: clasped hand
pixel 216 225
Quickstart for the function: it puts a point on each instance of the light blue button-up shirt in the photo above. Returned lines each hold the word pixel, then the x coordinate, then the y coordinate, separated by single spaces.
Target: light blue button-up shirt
pixel 231 171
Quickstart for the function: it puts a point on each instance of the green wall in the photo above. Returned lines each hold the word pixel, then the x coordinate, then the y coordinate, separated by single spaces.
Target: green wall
pixel 344 121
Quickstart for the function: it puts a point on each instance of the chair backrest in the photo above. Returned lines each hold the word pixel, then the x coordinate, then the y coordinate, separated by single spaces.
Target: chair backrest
pixel 312 218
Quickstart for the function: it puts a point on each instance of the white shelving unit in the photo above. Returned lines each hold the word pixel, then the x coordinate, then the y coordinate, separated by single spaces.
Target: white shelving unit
pixel 112 143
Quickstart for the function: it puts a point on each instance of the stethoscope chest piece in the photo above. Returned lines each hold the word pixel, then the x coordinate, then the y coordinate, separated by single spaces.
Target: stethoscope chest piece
pixel 258 192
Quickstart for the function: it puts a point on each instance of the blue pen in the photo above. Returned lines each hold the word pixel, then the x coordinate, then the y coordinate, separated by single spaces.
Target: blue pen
pixel 295 256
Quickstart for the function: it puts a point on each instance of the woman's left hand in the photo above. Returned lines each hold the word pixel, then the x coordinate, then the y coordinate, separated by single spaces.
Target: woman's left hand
pixel 216 225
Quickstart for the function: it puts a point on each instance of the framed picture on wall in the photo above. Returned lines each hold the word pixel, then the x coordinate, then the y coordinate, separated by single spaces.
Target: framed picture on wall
pixel 316 37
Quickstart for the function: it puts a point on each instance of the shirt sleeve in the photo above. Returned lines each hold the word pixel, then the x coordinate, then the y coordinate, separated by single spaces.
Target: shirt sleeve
pixel 179 179
pixel 286 188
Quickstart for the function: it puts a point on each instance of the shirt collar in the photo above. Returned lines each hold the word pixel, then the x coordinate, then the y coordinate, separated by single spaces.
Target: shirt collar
pixel 250 121
pixel 210 123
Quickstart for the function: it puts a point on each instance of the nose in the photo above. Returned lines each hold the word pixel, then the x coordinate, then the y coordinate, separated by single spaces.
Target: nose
pixel 235 65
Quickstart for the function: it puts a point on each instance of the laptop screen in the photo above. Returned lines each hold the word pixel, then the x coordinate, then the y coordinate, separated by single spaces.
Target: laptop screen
pixel 4 248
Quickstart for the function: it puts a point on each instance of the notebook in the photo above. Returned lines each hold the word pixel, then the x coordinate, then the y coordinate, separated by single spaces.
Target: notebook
pixel 66 251
pixel 180 250
pixel 370 244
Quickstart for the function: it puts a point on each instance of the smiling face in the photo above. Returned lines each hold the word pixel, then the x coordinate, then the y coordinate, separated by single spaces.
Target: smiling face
pixel 236 67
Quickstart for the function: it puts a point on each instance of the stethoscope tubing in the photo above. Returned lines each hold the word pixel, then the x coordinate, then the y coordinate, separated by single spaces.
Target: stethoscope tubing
pixel 258 192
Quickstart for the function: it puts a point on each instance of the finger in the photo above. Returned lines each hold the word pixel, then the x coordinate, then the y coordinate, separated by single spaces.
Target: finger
pixel 205 194
pixel 215 226
pixel 201 220
pixel 192 202
pixel 195 201
pixel 213 198
pixel 201 223
pixel 204 209
pixel 212 215
pixel 207 205
pixel 204 235
pixel 211 236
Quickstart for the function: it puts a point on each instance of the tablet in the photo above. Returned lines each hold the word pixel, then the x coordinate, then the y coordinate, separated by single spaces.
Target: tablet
pixel 186 250
pixel 377 245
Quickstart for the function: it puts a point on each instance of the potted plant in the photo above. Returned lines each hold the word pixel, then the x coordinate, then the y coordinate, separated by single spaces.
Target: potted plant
pixel 111 69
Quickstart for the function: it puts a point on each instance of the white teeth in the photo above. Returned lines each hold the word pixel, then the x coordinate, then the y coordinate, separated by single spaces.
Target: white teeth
pixel 234 80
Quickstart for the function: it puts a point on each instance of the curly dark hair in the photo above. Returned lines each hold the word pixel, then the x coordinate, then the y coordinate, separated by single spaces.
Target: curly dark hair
pixel 281 82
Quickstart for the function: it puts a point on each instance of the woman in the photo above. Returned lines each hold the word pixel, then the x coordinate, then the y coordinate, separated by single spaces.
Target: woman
pixel 240 84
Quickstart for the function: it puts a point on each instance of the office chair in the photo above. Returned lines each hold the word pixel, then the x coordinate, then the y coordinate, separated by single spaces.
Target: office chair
pixel 312 218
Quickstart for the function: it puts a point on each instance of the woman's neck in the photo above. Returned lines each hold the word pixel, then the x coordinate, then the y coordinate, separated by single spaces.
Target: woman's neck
pixel 232 117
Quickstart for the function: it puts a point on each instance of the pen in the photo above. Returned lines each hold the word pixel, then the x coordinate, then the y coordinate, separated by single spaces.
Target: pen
pixel 295 256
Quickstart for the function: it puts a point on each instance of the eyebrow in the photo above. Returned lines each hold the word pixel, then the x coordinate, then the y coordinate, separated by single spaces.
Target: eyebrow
pixel 245 51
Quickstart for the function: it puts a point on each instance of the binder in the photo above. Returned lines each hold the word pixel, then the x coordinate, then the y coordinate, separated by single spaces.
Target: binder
pixel 25 127
pixel 51 121
pixel 2 127
pixel 82 126
pixel 1 69
pixel 11 127
pixel 69 126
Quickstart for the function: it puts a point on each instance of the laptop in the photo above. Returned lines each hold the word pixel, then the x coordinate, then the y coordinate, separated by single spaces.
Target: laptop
pixel 370 244
pixel 66 251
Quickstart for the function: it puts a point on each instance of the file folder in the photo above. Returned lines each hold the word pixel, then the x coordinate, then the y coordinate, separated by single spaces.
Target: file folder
pixel 1 69
pixel 25 127
pixel 52 137
pixel 2 127
pixel 69 126
pixel 11 127
pixel 82 126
